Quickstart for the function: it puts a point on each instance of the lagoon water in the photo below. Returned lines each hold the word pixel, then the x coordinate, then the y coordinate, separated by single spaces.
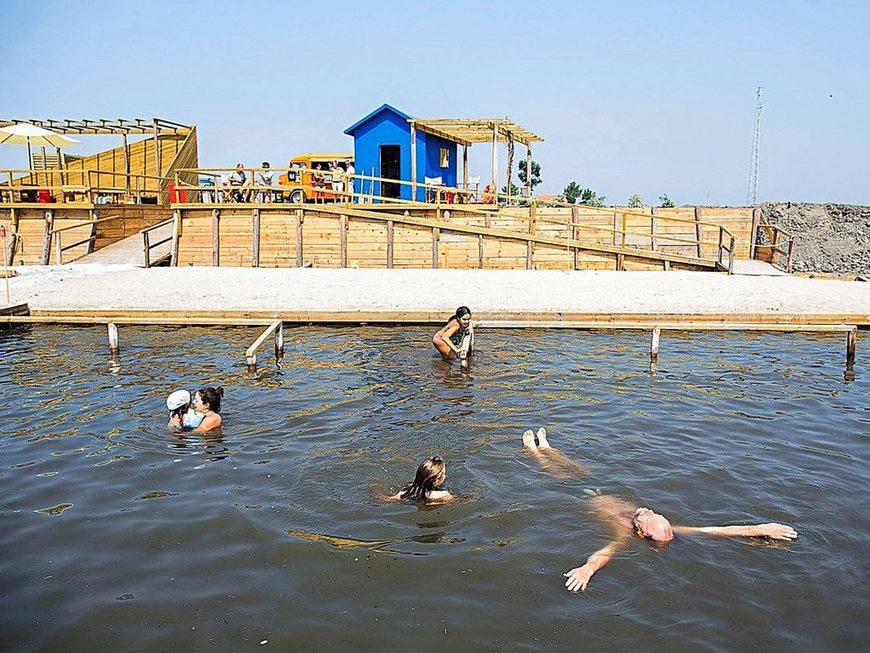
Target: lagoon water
pixel 119 536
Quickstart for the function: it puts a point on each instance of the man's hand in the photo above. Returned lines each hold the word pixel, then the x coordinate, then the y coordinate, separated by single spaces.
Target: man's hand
pixel 578 578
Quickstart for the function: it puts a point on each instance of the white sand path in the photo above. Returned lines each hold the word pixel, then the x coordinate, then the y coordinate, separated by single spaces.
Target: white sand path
pixel 111 287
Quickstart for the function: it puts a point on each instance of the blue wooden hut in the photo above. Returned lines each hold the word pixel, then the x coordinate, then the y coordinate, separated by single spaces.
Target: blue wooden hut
pixel 383 147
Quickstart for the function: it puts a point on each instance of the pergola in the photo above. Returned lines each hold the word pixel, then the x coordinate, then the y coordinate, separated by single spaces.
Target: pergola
pixel 466 131
pixel 120 126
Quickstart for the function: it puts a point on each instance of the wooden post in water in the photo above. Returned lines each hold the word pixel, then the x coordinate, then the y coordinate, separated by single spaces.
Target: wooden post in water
pixel 113 338
pixel 654 345
pixel 279 342
pixel 851 344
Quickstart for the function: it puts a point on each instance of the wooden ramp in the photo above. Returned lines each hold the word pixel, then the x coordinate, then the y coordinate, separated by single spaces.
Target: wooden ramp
pixel 131 250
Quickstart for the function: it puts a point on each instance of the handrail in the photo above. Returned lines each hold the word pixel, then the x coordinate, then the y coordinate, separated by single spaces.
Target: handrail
pixel 251 352
pixel 146 239
pixel 86 223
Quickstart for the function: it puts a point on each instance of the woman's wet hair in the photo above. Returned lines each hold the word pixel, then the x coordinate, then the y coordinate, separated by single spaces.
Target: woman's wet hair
pixel 212 397
pixel 428 473
pixel 461 311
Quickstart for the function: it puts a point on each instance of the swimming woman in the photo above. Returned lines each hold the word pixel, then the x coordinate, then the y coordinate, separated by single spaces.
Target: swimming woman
pixel 427 484
pixel 208 402
pixel 180 414
pixel 456 338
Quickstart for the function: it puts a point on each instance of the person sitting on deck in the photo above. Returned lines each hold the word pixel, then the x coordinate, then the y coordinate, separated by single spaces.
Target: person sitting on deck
pixel 427 486
pixel 626 519
pixel 456 338
pixel 237 180
pixel 264 178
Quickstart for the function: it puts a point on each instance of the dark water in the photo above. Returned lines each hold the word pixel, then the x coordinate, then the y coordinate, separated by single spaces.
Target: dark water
pixel 117 536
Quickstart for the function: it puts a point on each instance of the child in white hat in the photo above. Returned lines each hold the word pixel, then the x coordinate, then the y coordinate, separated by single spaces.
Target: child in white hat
pixel 180 414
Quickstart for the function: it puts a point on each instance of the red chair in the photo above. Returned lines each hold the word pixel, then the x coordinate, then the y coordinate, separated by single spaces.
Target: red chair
pixel 43 196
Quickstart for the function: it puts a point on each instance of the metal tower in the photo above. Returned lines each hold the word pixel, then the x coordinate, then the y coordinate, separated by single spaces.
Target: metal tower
pixel 752 190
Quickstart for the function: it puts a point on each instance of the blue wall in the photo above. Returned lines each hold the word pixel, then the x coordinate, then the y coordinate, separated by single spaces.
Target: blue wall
pixel 389 126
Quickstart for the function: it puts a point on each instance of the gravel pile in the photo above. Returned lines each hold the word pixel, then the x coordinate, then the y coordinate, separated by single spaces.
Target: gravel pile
pixel 831 238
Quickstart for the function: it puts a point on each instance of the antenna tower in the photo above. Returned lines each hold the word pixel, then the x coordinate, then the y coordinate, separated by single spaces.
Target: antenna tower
pixel 752 190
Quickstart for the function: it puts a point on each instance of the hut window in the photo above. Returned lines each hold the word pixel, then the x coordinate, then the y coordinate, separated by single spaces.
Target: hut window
pixel 445 157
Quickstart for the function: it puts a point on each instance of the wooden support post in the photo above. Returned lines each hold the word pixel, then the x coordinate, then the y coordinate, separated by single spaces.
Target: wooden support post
pixel 114 347
pixel 731 256
pixel 126 164
pixel 389 244
pixel 753 234
pixel 495 162
pixel 58 254
pixel 413 162
pixel 46 238
pixel 654 345
pixel 480 252
pixel 93 234
pixel 575 221
pixel 436 236
pixel 146 246
pixel 176 237
pixel 255 254
pixel 851 344
pixel 620 262
pixel 719 249
pixel 653 230
pixel 156 149
pixel 251 361
pixel 616 222
pixel 215 237
pixel 528 170
pixel 666 265
pixel 343 237
pixel 298 238
pixel 279 342
pixel 788 260
pixel 465 169
pixel 698 228
pixel 624 227
pixel 533 228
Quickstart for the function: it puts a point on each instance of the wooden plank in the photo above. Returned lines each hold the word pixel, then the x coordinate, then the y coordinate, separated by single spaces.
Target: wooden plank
pixel 215 238
pixel 343 228
pixel 299 216
pixel 255 254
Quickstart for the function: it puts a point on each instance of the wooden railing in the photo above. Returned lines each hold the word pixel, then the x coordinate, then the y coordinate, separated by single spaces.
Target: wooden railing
pixel 42 188
pixel 778 248
pixel 59 249
pixel 444 199
pixel 147 242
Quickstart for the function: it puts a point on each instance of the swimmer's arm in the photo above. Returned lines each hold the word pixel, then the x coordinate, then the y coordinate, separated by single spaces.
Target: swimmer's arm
pixel 578 578
pixel 772 530
pixel 391 497
pixel 175 420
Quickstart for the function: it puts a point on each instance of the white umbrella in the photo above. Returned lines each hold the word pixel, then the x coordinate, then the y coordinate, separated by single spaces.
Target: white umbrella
pixel 23 133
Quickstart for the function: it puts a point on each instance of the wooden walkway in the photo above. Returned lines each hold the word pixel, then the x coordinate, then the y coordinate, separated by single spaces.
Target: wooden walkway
pixel 131 250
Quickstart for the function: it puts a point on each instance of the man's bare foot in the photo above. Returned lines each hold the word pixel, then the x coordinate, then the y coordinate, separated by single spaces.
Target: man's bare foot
pixel 542 439
pixel 529 440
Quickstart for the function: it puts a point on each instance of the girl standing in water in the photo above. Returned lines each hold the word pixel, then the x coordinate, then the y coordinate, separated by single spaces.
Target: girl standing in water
pixel 456 338
pixel 208 402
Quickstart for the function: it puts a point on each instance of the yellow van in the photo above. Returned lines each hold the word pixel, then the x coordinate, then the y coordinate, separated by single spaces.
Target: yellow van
pixel 302 181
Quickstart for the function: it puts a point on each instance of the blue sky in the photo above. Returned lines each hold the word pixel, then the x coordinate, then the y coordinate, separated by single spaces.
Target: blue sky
pixel 641 97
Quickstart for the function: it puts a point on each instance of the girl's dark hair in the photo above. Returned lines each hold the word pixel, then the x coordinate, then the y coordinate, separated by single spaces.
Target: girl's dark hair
pixel 179 412
pixel 428 473
pixel 462 310
pixel 212 397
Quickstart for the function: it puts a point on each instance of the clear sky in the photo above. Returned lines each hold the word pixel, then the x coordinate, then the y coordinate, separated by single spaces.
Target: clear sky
pixel 639 97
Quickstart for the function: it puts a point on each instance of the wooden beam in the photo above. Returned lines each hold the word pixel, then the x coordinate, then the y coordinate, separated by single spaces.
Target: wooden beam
pixel 436 237
pixel 390 238
pixel 698 218
pixel 495 161
pixel 255 239
pixel 299 217
pixel 215 237
pixel 343 238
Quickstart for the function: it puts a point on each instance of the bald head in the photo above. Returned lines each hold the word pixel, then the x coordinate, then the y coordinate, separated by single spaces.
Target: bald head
pixel 651 525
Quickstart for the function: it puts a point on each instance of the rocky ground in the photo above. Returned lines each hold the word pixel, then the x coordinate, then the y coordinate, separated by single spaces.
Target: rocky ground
pixel 831 238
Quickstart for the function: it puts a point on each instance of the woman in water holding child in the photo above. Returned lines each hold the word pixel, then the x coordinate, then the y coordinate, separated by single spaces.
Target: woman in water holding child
pixel 205 415
pixel 456 338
